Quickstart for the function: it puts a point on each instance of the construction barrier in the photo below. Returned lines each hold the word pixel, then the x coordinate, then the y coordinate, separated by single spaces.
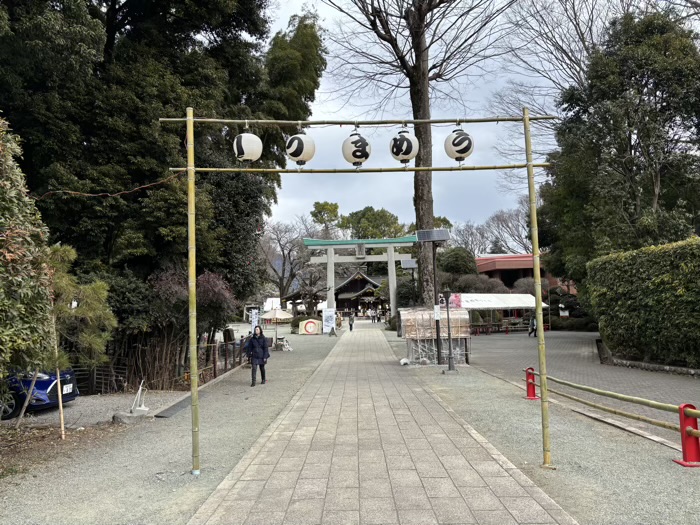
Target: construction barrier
pixel 688 427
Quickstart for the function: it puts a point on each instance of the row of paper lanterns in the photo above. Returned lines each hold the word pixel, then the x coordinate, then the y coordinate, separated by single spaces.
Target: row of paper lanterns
pixel 356 149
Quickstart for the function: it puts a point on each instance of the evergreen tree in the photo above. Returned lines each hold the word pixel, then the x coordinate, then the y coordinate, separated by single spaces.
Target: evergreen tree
pixel 84 83
pixel 626 173
pixel 24 275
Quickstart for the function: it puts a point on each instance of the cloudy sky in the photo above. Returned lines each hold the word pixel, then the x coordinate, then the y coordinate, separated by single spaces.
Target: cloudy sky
pixel 458 196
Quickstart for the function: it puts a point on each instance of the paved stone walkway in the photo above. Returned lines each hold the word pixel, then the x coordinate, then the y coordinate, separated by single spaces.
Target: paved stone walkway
pixel 363 442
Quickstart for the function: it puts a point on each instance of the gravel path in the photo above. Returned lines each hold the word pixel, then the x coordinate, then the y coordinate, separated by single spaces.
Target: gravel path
pixel 604 476
pixel 90 410
pixel 142 475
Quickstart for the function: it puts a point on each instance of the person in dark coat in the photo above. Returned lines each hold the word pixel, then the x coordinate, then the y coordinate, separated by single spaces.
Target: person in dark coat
pixel 351 320
pixel 258 354
pixel 533 326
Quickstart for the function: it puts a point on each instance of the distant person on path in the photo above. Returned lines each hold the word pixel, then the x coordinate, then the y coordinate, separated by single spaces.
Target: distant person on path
pixel 351 320
pixel 258 353
pixel 373 315
pixel 533 326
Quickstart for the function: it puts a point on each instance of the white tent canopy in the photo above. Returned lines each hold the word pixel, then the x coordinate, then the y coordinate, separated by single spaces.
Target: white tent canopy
pixel 495 301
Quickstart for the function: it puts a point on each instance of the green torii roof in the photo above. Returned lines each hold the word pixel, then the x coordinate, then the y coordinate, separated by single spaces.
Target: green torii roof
pixel 351 242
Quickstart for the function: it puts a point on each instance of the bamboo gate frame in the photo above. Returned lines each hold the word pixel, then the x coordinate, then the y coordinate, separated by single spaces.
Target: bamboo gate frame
pixel 191 169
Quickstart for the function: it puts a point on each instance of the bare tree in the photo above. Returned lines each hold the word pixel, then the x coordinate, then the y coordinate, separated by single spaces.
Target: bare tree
pixel 686 8
pixel 283 249
pixel 288 260
pixel 548 51
pixel 510 229
pixel 473 237
pixel 387 48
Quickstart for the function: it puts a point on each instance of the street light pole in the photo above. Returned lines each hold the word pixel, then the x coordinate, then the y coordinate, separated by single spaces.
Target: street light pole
pixel 549 302
pixel 192 291
pixel 450 355
pixel 437 306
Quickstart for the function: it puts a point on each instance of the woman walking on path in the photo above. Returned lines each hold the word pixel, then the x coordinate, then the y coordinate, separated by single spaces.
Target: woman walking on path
pixel 258 353
pixel 351 320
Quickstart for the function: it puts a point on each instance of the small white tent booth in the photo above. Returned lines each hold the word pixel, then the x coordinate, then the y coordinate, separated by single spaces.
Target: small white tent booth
pixel 492 302
pixel 417 325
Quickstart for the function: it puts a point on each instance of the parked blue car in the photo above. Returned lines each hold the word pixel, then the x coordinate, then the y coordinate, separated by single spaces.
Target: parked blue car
pixel 45 393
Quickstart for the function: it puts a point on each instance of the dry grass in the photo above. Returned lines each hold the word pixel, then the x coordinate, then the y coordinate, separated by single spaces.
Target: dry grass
pixel 22 450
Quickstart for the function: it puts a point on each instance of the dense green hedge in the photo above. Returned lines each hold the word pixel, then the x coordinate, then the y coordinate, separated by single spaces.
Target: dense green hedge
pixel 573 324
pixel 648 302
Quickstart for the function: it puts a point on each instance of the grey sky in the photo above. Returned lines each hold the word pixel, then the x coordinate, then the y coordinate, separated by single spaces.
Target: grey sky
pixel 458 196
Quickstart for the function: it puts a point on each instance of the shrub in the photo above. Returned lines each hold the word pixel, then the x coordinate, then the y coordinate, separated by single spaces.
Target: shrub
pixel 391 325
pixel 485 316
pixel 647 302
pixel 585 324
pixel 459 261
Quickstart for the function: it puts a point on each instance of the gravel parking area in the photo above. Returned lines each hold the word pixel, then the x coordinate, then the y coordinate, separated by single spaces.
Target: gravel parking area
pixel 604 475
pixel 142 475
pixel 87 411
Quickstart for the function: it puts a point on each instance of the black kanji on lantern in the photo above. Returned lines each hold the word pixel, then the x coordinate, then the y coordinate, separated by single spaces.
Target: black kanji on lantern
pixel 295 146
pixel 401 145
pixel 462 142
pixel 360 152
pixel 238 146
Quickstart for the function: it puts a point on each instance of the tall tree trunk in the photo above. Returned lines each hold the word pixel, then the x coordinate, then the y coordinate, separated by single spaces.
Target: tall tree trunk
pixel 422 180
pixel 111 30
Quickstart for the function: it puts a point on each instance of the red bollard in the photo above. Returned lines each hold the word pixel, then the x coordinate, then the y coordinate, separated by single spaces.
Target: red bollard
pixel 689 444
pixel 530 380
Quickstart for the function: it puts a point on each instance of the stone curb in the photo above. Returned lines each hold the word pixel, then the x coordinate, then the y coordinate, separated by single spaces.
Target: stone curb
pixel 651 367
pixel 188 394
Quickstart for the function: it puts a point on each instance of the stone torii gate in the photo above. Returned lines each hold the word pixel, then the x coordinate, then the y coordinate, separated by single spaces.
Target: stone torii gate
pixel 360 245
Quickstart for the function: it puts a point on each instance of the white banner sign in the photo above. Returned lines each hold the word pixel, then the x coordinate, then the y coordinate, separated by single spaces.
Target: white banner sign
pixel 253 320
pixel 328 320
pixel 437 313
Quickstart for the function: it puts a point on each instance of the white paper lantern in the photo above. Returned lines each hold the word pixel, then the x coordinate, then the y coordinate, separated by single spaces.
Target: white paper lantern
pixel 356 149
pixel 247 146
pixel 301 149
pixel 404 146
pixel 459 145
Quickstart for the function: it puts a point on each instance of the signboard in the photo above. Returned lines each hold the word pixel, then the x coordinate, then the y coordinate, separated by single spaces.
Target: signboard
pixel 328 320
pixel 254 321
pixel 310 327
pixel 436 312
